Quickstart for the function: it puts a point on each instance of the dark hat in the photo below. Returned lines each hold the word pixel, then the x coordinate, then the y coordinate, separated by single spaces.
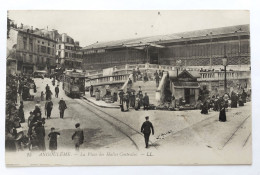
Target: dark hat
pixel 147 117
pixel 77 125
pixel 52 128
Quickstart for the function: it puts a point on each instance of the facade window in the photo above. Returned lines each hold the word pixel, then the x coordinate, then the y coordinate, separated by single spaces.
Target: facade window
pixel 59 53
pixel 25 43
pixel 39 48
pixel 66 54
pixel 31 45
pixel 59 46
pixel 43 49
pixel 38 41
pixel 42 42
pixel 24 57
pixel 48 50
pixel 31 58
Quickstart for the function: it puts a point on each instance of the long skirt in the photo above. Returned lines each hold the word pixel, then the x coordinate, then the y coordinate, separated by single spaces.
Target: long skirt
pixel 222 115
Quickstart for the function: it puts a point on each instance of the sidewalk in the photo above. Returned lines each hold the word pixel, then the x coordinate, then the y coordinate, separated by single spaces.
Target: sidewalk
pixel 100 103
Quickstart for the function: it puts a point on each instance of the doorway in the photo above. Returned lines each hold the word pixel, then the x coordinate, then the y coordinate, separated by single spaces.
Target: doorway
pixel 187 95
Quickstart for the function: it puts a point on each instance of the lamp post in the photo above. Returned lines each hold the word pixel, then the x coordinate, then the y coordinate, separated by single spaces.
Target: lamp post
pixel 225 63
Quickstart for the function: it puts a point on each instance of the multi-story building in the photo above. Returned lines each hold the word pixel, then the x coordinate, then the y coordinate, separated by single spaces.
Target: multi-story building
pixel 31 49
pixel 68 52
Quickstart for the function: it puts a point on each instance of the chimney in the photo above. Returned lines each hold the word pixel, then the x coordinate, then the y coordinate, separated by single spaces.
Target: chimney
pixel 31 29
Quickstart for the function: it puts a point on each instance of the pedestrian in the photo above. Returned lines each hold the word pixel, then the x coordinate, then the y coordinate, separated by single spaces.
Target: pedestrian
pixel 121 96
pixel 91 91
pixel 53 81
pixel 132 101
pixel 21 114
pixel 204 108
pixel 48 108
pixel 62 107
pixel 130 83
pixel 222 113
pixel 134 75
pixel 157 79
pixel 78 136
pixel 30 118
pixel 244 96
pixel 47 88
pixel 234 100
pixel 146 130
pixel 52 136
pixel 40 132
pixel 240 100
pixel 42 96
pixel 146 101
pixel 127 101
pixel 141 97
pixel 57 90
pixel 34 88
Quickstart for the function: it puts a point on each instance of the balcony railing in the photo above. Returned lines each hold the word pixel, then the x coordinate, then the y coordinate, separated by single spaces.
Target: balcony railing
pixel 106 80
pixel 231 75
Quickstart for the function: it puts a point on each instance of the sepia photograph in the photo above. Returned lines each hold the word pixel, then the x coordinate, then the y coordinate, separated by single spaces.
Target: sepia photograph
pixel 128 87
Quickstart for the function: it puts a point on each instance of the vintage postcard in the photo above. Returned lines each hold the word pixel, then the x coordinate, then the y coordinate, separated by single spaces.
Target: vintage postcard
pixel 128 88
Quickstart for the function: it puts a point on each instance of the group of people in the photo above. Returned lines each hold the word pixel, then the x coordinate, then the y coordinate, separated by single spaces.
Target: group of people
pixel 221 103
pixel 136 101
pixel 139 76
pixel 14 115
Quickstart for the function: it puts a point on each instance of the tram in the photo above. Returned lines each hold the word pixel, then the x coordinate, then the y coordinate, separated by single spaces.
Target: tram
pixel 74 83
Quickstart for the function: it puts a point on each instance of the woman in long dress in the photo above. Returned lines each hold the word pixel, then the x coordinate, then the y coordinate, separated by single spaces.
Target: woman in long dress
pixel 222 113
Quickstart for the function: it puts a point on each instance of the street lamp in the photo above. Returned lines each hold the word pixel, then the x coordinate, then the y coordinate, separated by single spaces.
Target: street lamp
pixel 225 63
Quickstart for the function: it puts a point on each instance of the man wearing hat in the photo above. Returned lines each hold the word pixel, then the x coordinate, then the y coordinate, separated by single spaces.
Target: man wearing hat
pixel 57 90
pixel 146 130
pixel 62 107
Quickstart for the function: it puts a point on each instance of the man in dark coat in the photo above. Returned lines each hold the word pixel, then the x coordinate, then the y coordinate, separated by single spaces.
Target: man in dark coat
pixel 62 107
pixel 53 139
pixel 57 90
pixel 78 136
pixel 48 108
pixel 146 102
pixel 47 87
pixel 146 130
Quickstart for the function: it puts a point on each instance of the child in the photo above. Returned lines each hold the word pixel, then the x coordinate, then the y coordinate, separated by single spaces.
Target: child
pixel 53 139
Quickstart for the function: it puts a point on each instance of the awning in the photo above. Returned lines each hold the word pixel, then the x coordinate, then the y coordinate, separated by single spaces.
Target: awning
pixel 180 84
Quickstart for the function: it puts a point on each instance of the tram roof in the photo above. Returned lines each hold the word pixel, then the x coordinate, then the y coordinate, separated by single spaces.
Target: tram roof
pixel 136 42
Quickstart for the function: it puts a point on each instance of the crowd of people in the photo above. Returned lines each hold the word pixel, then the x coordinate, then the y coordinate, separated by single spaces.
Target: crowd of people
pixel 132 100
pixel 143 76
pixel 222 103
pixel 32 135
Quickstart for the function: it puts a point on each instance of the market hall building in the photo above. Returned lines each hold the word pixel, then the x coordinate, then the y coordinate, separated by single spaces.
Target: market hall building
pixel 195 48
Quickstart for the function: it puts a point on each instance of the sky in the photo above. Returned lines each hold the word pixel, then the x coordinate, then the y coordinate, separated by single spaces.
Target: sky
pixel 88 27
